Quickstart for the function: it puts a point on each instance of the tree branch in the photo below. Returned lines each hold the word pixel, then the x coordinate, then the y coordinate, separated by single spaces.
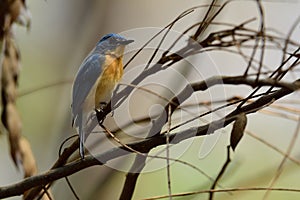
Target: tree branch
pixel 147 144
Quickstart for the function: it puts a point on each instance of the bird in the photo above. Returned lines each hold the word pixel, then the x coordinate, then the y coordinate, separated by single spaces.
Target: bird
pixel 95 81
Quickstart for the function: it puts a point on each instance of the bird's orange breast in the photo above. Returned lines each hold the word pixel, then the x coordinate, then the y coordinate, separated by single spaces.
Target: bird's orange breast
pixel 113 68
pixel 111 75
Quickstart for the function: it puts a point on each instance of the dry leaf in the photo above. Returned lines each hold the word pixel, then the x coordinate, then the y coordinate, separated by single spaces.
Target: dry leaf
pixel 14 126
pixel 238 130
pixel 28 161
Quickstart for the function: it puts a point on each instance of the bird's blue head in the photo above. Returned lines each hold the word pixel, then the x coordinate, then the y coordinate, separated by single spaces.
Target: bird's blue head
pixel 111 41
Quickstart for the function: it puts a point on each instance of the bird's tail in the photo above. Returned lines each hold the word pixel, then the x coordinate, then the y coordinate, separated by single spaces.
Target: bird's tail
pixel 81 135
pixel 85 128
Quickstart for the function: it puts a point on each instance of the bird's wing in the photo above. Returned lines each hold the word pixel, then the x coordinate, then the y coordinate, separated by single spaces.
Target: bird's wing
pixel 86 77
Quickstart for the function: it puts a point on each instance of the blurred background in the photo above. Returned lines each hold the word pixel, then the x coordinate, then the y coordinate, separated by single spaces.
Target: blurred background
pixel 63 33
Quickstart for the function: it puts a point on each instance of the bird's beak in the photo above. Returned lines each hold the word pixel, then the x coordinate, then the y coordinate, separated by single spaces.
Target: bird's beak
pixel 125 42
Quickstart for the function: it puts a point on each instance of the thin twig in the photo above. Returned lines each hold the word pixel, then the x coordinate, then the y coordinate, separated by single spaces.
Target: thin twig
pixel 168 152
pixel 286 155
pixel 224 190
pixel 220 174
pixel 297 162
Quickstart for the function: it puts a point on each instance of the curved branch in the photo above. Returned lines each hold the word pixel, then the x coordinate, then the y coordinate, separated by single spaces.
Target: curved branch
pixel 147 144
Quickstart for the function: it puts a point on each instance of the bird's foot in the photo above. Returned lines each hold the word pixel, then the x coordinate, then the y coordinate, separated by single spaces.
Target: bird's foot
pixel 100 115
pixel 103 106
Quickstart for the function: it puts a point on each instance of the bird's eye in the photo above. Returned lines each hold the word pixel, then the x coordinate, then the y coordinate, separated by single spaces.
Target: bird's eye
pixel 106 37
